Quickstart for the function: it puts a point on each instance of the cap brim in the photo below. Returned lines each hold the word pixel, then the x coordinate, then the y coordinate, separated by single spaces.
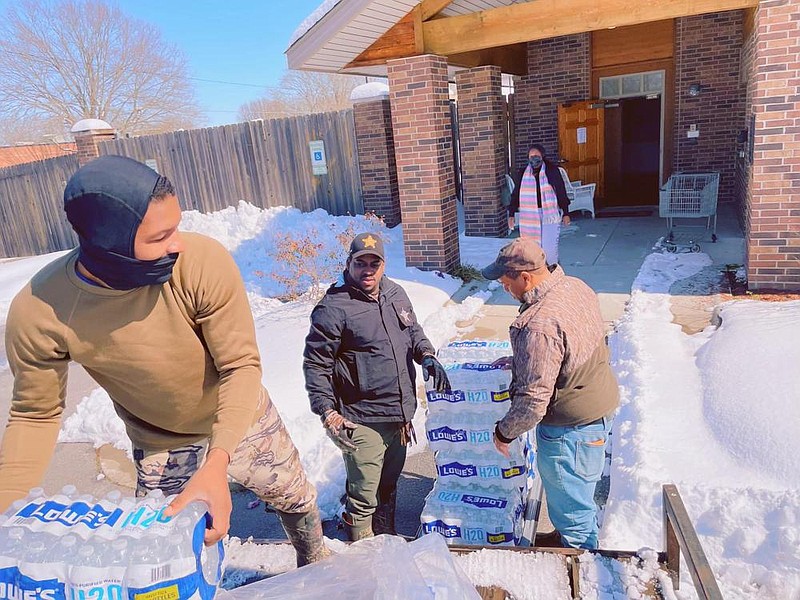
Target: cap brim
pixel 368 251
pixel 493 271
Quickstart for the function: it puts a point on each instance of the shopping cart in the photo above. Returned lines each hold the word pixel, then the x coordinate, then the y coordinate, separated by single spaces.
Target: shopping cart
pixel 689 196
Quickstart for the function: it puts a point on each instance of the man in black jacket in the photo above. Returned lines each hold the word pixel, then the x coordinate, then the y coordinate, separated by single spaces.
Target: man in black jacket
pixel 360 377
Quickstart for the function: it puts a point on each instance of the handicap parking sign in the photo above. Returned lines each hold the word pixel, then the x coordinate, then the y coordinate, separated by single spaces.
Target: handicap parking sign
pixel 319 165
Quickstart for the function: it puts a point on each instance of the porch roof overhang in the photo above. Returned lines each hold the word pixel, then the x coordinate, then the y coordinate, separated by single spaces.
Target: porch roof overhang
pixel 359 36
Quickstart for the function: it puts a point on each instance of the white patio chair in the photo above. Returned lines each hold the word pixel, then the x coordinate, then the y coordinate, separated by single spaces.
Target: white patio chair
pixel 569 185
pixel 584 198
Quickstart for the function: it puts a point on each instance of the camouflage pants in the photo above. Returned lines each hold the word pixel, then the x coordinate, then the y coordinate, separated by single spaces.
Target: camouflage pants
pixel 265 462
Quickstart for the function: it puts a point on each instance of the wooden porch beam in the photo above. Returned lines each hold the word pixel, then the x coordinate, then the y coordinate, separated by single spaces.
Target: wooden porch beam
pixel 430 8
pixel 542 20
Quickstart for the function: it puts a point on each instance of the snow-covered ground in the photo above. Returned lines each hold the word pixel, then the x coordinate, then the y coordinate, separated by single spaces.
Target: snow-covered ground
pixel 713 413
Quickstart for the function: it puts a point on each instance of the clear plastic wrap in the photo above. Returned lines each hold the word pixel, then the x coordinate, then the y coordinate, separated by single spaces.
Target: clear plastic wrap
pixel 380 568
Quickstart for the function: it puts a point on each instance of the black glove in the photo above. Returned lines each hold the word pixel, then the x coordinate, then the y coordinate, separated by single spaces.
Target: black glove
pixel 433 368
pixel 336 426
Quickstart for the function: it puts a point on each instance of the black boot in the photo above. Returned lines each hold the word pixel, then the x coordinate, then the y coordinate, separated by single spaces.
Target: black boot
pixel 383 521
pixel 305 532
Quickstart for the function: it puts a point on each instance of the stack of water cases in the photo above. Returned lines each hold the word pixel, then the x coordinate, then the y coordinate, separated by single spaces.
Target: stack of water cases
pixel 478 495
pixel 71 547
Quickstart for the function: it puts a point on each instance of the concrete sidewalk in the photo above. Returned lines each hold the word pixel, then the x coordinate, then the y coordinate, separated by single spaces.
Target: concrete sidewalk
pixel 606 253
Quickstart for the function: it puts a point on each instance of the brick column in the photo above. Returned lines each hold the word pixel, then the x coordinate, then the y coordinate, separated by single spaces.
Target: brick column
pixel 482 142
pixel 88 133
pixel 559 71
pixel 773 235
pixel 376 159
pixel 423 148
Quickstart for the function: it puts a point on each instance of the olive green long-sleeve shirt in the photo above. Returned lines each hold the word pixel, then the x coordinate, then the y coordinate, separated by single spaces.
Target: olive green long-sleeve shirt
pixel 179 360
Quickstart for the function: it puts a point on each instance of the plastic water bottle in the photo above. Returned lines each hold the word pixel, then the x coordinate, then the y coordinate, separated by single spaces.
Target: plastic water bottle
pixel 88 575
pixel 10 549
pixel 64 550
pixel 211 557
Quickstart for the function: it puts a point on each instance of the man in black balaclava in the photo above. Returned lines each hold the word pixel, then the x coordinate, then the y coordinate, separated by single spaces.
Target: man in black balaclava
pixel 106 202
pixel 160 319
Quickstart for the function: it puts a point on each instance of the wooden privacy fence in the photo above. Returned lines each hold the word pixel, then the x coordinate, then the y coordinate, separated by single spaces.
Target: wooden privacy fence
pixel 32 219
pixel 266 163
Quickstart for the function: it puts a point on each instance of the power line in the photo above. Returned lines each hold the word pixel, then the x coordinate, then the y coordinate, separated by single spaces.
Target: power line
pixel 75 63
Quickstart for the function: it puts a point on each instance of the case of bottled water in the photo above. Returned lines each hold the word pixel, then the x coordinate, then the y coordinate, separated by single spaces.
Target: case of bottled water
pixel 70 547
pixel 481 470
pixel 464 432
pixel 474 351
pixel 478 376
pixel 465 516
pixel 478 494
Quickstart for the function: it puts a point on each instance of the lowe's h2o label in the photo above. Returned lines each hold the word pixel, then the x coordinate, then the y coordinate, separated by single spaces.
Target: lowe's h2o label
pixel 484 501
pixel 92 516
pixel 442 528
pixel 447 435
pixel 452 397
pixel 22 587
pixel 480 437
pixel 481 367
pixel 478 344
pixel 457 469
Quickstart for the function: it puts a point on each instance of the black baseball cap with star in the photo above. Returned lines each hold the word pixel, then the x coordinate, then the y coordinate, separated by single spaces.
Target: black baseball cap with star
pixel 366 243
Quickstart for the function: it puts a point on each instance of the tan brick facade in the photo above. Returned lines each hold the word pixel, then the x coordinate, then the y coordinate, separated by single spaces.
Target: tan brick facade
pixel 559 70
pixel 483 150
pixel 707 52
pixel 423 150
pixel 773 198
pixel 376 159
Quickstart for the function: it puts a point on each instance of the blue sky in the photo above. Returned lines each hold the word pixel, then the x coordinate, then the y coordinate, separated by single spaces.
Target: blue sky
pixel 235 41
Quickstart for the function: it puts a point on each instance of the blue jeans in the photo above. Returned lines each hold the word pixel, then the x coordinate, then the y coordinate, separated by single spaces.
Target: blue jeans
pixel 570 462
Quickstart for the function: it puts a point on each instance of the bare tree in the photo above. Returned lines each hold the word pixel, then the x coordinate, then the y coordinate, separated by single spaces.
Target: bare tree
pixel 76 59
pixel 301 93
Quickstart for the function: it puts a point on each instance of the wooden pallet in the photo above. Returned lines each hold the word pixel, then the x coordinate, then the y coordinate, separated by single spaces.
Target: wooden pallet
pixel 679 536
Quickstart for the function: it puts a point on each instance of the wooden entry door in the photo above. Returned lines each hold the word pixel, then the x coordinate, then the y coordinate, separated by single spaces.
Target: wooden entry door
pixel 581 142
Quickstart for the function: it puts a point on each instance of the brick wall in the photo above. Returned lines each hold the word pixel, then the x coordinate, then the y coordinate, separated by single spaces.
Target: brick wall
pixel 482 140
pixel 773 236
pixel 559 71
pixel 376 159
pixel 423 150
pixel 87 142
pixel 707 52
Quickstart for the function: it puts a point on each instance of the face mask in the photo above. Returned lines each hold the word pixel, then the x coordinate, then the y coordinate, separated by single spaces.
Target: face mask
pixel 124 273
pixel 535 161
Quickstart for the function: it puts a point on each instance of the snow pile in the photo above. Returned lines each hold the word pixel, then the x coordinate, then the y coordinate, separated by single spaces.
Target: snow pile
pixel 95 421
pixel 714 417
pixel 15 274
pixel 373 89
pixel 765 438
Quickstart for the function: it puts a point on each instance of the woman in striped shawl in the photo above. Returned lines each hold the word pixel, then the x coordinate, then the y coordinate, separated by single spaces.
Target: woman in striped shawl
pixel 541 199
